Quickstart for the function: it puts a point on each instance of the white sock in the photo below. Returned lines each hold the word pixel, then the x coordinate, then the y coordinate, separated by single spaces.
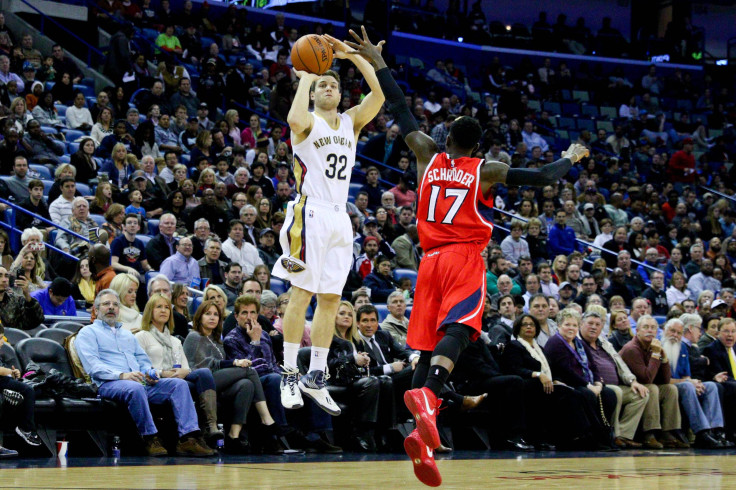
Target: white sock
pixel 318 362
pixel 290 354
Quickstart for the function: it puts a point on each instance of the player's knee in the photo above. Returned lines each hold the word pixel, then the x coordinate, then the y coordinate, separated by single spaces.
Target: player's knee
pixel 460 333
pixel 299 298
pixel 328 300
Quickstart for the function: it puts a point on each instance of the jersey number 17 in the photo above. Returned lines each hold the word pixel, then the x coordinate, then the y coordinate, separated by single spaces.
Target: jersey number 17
pixel 458 195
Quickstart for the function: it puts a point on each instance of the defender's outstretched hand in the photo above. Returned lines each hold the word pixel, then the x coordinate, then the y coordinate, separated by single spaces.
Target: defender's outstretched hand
pixel 575 153
pixel 364 47
pixel 342 51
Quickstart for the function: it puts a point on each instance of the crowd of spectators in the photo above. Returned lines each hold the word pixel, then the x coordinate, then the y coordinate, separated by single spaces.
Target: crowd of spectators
pixel 581 275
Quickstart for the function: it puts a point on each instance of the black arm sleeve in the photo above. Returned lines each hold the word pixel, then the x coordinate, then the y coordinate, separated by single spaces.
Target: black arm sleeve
pixel 396 102
pixel 547 175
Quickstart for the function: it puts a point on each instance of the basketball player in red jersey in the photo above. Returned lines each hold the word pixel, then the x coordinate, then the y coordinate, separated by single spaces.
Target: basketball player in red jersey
pixel 454 223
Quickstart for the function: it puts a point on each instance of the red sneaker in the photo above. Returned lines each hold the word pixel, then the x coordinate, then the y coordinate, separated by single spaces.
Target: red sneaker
pixel 422 457
pixel 424 405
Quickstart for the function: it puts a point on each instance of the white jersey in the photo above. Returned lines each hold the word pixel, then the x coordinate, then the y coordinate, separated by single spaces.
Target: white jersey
pixel 323 162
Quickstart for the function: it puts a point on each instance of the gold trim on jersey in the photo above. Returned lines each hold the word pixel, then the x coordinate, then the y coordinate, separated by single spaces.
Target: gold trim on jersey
pixel 297 231
pixel 300 173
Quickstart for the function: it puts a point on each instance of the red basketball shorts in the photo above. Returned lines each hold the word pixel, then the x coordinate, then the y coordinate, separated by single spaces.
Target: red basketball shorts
pixel 450 288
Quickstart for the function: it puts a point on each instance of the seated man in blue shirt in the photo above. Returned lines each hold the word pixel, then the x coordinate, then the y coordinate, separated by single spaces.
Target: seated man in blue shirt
pixel 57 298
pixel 182 267
pixel 121 369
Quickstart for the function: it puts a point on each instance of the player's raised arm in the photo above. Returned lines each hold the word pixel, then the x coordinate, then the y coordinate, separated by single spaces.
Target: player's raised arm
pixel 364 112
pixel 497 172
pixel 421 144
pixel 299 119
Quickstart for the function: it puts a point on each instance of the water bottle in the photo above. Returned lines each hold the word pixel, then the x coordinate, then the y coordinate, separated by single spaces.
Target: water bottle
pixel 116 447
pixel 220 442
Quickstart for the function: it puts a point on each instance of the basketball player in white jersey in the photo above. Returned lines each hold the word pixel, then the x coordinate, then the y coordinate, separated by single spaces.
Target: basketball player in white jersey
pixel 317 236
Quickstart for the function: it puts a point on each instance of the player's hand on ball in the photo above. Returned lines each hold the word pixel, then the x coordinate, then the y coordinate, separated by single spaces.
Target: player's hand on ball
pixel 371 52
pixel 575 153
pixel 309 77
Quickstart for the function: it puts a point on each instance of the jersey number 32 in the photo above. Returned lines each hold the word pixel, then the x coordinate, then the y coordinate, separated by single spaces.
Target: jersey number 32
pixel 333 171
pixel 457 194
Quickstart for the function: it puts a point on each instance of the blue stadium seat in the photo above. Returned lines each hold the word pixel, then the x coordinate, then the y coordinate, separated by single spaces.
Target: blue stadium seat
pixel 354 189
pixel 49 86
pixel 566 123
pixel 43 171
pixel 61 109
pixel 660 319
pixel 590 110
pixel 382 312
pixel 153 227
pixel 144 238
pixel 277 285
pixel 65 159
pixel 570 108
pixel 47 184
pixel 83 189
pixel 553 108
pixel 86 90
pixel 72 147
pixel 609 112
pixel 150 275
pixel 194 304
pixel 588 124
pixel 73 135
pixel 49 130
pixel 310 313
pixel 99 219
pixel 408 312
pixel 402 273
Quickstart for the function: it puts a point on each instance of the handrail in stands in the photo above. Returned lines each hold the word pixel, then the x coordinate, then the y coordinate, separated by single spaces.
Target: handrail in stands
pixel 583 242
pixel 90 48
pixel 43 220
pixel 10 228
pixel 726 196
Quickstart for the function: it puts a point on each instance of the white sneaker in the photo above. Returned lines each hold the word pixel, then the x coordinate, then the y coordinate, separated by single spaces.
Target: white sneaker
pixel 291 397
pixel 313 385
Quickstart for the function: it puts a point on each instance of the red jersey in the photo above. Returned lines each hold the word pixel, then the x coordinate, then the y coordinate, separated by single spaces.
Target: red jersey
pixel 452 208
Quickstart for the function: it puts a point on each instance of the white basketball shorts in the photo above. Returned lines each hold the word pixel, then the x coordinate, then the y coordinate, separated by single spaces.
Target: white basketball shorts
pixel 317 244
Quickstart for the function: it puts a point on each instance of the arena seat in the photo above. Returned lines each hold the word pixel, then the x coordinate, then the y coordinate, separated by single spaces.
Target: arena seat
pixel 56 334
pixel 152 227
pixel 70 326
pixel 278 286
pixel 194 304
pixel 42 170
pixel 144 238
pixel 72 135
pixel 402 273
pixel 15 335
pixel 98 218
pixel 83 189
pixel 44 352
pixel 661 319
pixel 8 355
pixel 382 311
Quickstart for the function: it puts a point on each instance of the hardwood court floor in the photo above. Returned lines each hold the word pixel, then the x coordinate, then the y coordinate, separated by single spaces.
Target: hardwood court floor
pixel 676 470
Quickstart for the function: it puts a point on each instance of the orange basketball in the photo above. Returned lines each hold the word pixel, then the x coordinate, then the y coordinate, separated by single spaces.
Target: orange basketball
pixel 311 53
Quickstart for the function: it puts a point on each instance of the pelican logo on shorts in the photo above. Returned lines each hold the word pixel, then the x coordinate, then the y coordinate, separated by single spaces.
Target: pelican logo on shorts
pixel 291 265
pixel 311 213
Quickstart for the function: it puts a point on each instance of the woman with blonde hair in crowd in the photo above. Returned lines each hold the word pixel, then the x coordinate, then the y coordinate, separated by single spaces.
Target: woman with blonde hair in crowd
pixel 62 171
pixel 206 181
pixel 126 285
pixel 678 291
pixel 235 381
pixel 217 295
pixel 559 269
pixel 118 168
pixel 168 359
pixel 180 299
pixel 232 118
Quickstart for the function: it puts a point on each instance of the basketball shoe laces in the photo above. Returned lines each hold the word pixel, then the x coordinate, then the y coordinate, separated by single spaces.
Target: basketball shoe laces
pixel 291 378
